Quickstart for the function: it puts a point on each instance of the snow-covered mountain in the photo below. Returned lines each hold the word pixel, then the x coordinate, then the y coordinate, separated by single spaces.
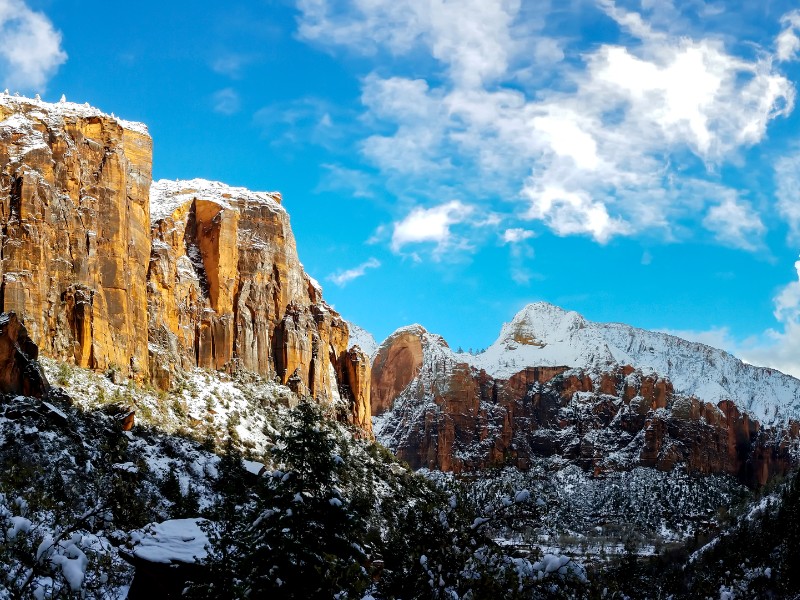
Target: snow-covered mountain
pixel 542 334
pixel 606 397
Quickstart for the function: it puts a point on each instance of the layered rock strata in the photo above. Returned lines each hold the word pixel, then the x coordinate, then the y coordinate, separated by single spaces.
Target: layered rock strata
pixel 452 416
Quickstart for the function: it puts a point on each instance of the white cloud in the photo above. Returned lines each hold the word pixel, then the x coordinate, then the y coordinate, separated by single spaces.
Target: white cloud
pixel 569 213
pixel 516 235
pixel 735 223
pixel 30 47
pixel 226 101
pixel 431 225
pixel 231 64
pixel 473 37
pixel 625 141
pixel 787 44
pixel 342 278
pixel 780 349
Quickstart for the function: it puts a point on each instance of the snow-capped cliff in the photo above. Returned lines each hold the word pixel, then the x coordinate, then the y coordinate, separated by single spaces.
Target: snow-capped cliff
pixel 545 335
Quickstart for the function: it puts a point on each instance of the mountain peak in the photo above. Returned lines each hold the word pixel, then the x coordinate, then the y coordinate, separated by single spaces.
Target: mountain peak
pixel 539 323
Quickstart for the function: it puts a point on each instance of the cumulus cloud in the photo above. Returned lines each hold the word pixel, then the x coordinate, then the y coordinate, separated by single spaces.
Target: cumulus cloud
pixel 226 101
pixel 30 47
pixel 435 224
pixel 342 278
pixel 614 145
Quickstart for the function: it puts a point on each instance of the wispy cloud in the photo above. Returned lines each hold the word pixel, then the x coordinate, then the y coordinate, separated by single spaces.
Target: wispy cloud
pixel 779 348
pixel 226 101
pixel 425 225
pixel 787 44
pixel 302 121
pixel 521 253
pixel 355 182
pixel 516 235
pixel 342 278
pixel 735 223
pixel 30 47
pixel 231 64
pixel 787 192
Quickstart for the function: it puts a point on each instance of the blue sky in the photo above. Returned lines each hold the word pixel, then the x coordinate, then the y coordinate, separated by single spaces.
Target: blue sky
pixel 447 162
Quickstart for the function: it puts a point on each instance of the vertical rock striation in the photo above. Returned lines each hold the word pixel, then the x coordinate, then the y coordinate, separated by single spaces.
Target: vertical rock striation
pixel 227 290
pixel 106 270
pixel 74 213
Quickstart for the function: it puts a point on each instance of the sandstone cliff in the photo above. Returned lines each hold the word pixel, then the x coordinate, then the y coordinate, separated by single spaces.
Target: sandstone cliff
pixel 107 272
pixel 226 290
pixel 74 187
pixel 450 415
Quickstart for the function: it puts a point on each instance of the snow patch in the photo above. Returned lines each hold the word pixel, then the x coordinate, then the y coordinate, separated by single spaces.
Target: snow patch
pixel 176 540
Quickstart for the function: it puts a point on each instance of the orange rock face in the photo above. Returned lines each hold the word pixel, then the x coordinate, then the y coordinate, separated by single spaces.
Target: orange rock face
pixel 74 211
pixel 227 290
pixel 452 417
pixel 356 373
pixel 214 282
pixel 398 361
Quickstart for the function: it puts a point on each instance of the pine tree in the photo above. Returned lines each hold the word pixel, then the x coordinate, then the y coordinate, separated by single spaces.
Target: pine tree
pixel 306 537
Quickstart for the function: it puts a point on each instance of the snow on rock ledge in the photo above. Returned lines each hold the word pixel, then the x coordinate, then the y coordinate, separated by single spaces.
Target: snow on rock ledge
pixel 56 113
pixel 166 196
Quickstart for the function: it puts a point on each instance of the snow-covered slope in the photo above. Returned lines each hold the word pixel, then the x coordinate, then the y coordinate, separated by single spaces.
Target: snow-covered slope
pixel 545 335
pixel 362 338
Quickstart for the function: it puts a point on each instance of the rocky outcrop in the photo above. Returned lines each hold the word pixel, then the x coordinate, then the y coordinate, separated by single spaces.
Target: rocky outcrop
pixel 455 417
pixel 396 363
pixel 356 374
pixel 74 213
pixel 109 273
pixel 19 371
pixel 227 290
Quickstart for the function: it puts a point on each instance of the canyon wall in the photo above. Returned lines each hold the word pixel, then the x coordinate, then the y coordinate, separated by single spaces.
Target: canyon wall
pixel 74 188
pixel 109 272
